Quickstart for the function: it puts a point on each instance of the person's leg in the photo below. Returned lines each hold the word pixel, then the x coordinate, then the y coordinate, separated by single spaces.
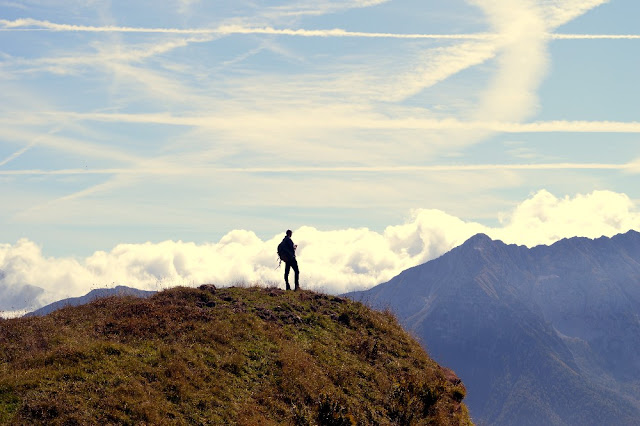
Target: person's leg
pixel 286 275
pixel 294 265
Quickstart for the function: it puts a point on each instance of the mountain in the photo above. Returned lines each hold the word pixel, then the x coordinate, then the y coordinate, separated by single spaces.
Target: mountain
pixel 240 356
pixel 15 298
pixel 542 336
pixel 90 297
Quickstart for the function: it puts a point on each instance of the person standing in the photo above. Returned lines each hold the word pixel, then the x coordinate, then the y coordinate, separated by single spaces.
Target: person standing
pixel 287 252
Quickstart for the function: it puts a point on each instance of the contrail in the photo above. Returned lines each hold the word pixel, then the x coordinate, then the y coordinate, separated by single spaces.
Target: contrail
pixel 29 24
pixel 16 154
pixel 37 25
pixel 557 126
pixel 557 36
pixel 327 169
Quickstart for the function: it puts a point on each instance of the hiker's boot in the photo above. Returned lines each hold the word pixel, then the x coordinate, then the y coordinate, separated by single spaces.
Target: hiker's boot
pixel 297 287
pixel 288 286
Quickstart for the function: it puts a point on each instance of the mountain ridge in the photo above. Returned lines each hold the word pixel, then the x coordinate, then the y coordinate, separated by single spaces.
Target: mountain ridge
pixel 505 316
pixel 94 294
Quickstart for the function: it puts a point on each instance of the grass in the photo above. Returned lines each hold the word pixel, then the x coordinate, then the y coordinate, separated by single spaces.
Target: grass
pixel 221 356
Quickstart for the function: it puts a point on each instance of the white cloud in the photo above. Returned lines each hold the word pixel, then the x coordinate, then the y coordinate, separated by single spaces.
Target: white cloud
pixel 14 314
pixel 544 218
pixel 595 36
pixel 26 24
pixel 524 28
pixel 428 68
pixel 559 12
pixel 522 62
pixel 106 56
pixel 357 119
pixel 204 171
pixel 331 261
pixel 307 103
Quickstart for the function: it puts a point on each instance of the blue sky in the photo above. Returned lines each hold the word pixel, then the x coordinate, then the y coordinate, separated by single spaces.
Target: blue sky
pixel 134 124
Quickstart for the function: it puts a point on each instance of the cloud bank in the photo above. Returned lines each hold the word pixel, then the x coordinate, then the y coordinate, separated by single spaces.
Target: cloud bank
pixel 330 261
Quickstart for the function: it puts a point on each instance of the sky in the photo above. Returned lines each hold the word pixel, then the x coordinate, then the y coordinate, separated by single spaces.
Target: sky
pixel 155 144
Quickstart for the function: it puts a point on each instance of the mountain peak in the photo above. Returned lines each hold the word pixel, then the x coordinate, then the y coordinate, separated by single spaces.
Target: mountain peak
pixel 479 238
pixel 514 321
pixel 481 242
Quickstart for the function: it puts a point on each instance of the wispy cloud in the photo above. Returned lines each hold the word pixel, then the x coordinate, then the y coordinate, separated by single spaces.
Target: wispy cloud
pixel 14 5
pixel 203 171
pixel 315 7
pixel 70 145
pixel 185 6
pixel 377 122
pixel 559 12
pixel 16 154
pixel 558 36
pixel 30 24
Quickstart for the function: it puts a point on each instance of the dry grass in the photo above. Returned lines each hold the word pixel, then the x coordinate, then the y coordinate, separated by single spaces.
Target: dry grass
pixel 227 356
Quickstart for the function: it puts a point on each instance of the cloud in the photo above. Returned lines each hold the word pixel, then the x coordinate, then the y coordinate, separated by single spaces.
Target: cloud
pixel 363 121
pixel 16 298
pixel 308 104
pixel 104 58
pixel 30 24
pixel 331 261
pixel 65 144
pixel 522 61
pixel 16 154
pixel 594 36
pixel 185 6
pixel 427 69
pixel 12 4
pixel 544 218
pixel 315 7
pixel 524 29
pixel 559 12
pixel 203 171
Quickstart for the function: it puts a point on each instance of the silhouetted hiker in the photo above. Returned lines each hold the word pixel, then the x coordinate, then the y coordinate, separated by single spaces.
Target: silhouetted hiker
pixel 287 253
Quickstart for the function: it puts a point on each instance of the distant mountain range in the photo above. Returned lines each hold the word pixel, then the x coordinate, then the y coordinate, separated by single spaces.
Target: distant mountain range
pixel 16 298
pixel 90 297
pixel 542 336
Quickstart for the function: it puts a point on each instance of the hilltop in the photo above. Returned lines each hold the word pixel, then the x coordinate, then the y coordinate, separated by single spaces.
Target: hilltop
pixel 221 356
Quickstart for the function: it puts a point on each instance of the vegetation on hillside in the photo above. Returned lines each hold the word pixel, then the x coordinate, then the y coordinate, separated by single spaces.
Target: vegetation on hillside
pixel 221 356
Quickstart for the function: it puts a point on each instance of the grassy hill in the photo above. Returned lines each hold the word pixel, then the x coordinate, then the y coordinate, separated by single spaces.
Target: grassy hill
pixel 221 356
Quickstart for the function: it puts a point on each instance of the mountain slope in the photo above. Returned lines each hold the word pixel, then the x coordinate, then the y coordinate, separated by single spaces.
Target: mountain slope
pixel 548 335
pixel 221 356
pixel 16 297
pixel 90 297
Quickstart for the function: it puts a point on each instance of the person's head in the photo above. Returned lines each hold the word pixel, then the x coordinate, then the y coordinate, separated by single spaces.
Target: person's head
pixel 289 232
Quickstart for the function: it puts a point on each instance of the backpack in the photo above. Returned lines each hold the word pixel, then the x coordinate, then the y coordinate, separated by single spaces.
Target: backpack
pixel 282 254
